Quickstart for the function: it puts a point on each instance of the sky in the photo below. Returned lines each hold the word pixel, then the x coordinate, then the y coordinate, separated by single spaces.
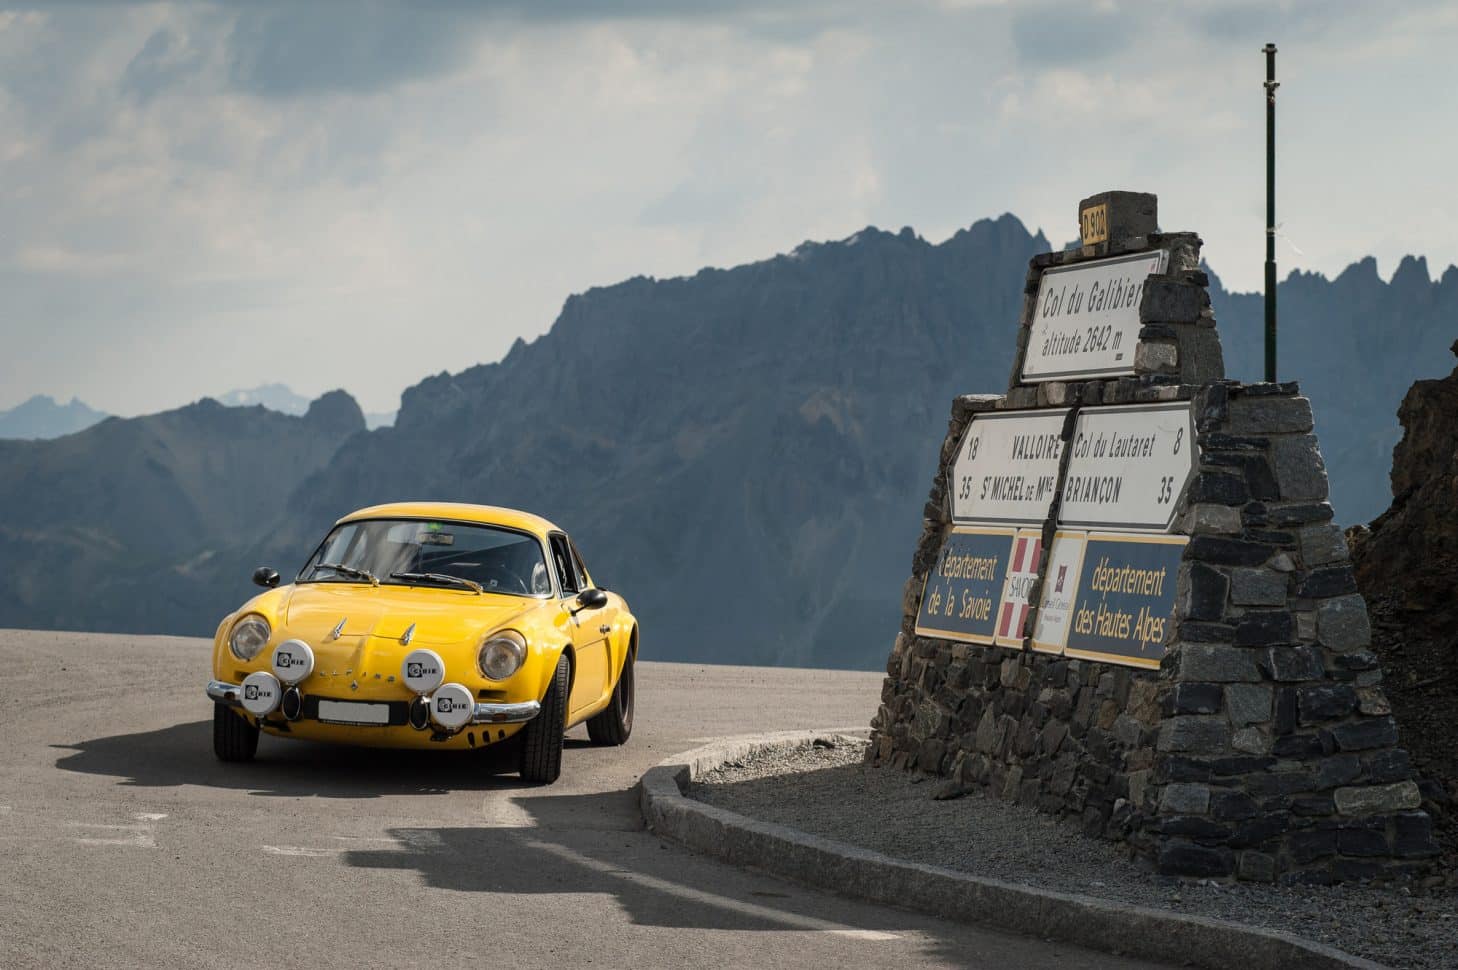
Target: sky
pixel 201 197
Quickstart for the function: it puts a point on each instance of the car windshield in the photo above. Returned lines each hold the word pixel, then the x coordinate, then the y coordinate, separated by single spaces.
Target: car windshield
pixel 448 555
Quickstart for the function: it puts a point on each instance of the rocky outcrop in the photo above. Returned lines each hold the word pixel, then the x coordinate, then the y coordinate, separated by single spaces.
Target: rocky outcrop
pixel 1409 555
pixel 335 412
pixel 1407 567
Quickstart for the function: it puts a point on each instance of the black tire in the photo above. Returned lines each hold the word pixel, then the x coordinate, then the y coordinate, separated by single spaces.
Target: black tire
pixel 541 749
pixel 614 723
pixel 234 738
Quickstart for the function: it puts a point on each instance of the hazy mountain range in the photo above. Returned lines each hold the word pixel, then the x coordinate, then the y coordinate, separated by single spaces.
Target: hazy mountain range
pixel 118 527
pixel 744 453
pixel 281 398
pixel 41 417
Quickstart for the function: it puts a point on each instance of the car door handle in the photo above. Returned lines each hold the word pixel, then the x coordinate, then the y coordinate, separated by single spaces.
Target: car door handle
pixel 604 628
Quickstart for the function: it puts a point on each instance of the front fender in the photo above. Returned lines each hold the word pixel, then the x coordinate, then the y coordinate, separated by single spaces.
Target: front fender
pixel 272 605
pixel 546 658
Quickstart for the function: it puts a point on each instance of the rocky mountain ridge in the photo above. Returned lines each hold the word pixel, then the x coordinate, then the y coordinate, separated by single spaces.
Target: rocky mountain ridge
pixel 743 452
pixel 121 526
pixel 284 400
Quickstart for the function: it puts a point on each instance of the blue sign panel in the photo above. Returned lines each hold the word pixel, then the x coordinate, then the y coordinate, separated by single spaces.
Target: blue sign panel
pixel 962 591
pixel 1126 597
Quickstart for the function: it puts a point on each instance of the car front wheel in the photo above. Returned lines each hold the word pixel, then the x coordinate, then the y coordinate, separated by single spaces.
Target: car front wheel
pixel 615 722
pixel 234 739
pixel 541 749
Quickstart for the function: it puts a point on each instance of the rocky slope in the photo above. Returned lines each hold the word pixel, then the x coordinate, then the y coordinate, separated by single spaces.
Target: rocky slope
pixel 1410 552
pixel 1407 567
pixel 115 528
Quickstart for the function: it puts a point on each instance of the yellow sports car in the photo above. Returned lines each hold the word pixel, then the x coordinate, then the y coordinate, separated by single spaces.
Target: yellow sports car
pixel 429 625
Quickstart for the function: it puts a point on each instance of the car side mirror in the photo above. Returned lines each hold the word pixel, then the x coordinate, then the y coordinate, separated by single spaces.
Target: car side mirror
pixel 265 577
pixel 591 599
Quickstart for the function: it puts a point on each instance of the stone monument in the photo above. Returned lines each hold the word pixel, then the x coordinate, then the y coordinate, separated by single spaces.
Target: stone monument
pixel 1130 604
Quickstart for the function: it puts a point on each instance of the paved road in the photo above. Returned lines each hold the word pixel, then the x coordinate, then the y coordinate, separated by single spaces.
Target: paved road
pixel 123 843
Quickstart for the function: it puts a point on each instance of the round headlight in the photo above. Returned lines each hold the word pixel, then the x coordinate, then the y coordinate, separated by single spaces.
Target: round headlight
pixel 502 655
pixel 249 636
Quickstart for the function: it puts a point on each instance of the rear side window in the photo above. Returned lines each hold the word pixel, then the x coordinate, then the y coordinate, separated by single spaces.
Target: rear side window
pixel 562 562
pixel 579 565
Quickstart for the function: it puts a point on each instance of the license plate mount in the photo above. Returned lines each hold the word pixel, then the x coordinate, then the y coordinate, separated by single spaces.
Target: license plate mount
pixel 354 712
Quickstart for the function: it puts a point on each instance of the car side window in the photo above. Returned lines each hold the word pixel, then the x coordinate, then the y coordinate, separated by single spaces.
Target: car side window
pixel 578 565
pixel 562 561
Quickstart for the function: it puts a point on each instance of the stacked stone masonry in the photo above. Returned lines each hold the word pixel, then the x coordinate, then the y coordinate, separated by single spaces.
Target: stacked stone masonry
pixel 1263 747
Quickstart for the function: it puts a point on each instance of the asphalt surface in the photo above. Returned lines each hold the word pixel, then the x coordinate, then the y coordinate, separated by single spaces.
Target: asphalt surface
pixel 124 843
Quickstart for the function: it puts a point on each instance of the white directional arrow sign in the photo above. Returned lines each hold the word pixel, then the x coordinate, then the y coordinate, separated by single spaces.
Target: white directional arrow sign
pixel 1006 469
pixel 1128 467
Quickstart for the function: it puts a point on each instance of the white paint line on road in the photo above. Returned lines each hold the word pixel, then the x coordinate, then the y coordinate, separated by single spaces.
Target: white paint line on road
pixel 754 910
pixel 874 936
pixel 150 816
pixel 411 840
pixel 4 809
pixel 418 841
pixel 299 850
pixel 138 836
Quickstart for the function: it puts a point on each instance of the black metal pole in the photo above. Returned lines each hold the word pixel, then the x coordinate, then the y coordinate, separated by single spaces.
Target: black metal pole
pixel 1271 85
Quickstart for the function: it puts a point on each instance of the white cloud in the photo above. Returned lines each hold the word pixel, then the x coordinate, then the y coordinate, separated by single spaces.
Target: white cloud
pixel 179 186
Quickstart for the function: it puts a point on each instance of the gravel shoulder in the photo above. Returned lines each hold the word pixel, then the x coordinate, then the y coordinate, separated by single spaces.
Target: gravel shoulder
pixel 830 792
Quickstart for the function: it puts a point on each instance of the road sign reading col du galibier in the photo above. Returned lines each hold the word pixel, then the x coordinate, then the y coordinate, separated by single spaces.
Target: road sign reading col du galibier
pixel 1086 320
pixel 1006 469
pixel 1128 466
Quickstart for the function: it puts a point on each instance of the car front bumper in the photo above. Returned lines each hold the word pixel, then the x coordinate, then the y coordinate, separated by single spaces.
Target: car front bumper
pixel 485 713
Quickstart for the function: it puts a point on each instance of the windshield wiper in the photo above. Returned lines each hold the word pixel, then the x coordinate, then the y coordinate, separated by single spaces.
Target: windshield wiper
pixel 341 568
pixel 442 578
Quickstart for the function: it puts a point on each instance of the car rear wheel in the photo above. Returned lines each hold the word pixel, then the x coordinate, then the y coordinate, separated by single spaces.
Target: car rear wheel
pixel 615 722
pixel 234 739
pixel 541 749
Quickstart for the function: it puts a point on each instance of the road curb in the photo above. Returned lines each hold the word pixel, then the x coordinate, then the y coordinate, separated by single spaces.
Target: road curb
pixel 851 871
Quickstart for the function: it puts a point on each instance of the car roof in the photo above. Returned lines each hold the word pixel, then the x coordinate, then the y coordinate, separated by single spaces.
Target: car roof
pixel 456 511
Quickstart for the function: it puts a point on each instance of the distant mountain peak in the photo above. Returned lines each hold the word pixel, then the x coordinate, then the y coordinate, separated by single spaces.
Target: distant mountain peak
pixel 274 396
pixel 280 397
pixel 336 410
pixel 1412 274
pixel 1362 271
pixel 39 417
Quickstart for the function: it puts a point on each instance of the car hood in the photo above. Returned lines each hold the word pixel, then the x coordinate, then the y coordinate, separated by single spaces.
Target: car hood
pixel 439 616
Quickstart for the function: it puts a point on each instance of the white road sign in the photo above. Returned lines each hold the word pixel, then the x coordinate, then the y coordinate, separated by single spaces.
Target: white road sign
pixel 1128 467
pixel 1086 321
pixel 1006 469
pixel 1060 588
